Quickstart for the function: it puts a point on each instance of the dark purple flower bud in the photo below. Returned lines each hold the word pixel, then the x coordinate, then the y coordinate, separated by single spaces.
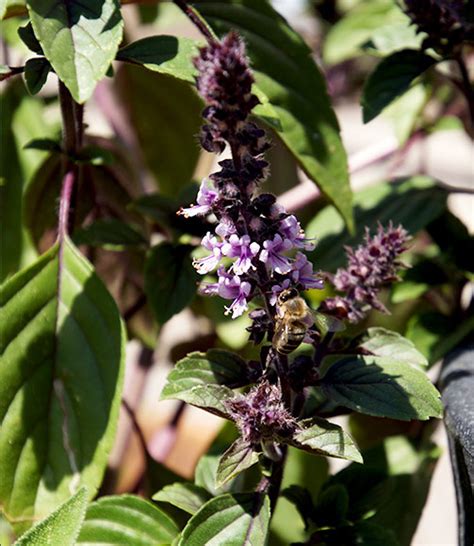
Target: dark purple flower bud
pixel 371 266
pixel 261 415
pixel 260 325
pixel 443 21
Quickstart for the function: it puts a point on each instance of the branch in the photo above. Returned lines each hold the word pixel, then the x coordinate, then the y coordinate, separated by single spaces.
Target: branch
pixel 13 71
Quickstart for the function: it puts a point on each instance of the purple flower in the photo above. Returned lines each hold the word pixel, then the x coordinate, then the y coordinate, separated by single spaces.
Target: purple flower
pixel 225 228
pixel 371 266
pixel 291 229
pixel 261 414
pixel 303 273
pixel 243 249
pixel 205 198
pixel 209 263
pixel 272 256
pixel 231 287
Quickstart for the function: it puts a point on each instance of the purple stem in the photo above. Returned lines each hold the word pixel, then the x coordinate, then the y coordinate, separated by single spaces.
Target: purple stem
pixel 65 202
pixel 198 21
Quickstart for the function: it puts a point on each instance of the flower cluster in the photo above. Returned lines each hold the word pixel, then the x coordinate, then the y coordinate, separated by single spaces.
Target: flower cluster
pixel 443 21
pixel 371 266
pixel 256 247
pixel 261 414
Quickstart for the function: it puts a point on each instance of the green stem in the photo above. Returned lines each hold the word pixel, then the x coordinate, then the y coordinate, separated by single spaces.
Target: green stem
pixel 271 484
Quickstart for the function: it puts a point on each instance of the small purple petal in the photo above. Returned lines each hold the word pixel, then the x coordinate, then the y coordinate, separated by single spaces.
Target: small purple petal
pixel 205 198
pixel 303 273
pixel 242 249
pixel 272 257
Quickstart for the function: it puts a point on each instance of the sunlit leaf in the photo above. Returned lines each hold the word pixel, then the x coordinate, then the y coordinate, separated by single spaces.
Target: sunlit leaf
pixel 383 342
pixel 321 437
pixel 382 386
pixel 61 527
pixel 186 496
pixel 165 54
pixel 235 460
pixel 126 519
pixel 62 350
pixel 234 520
pixel 79 39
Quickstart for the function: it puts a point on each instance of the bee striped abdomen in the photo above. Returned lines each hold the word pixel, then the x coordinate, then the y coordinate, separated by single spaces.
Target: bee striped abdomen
pixel 289 337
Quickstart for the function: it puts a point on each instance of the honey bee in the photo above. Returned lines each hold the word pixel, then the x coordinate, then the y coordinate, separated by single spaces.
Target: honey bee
pixel 293 320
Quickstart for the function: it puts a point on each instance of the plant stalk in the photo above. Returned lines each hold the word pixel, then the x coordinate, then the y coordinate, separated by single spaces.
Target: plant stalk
pixel 467 87
pixel 197 20
pixel 271 484
pixel 73 130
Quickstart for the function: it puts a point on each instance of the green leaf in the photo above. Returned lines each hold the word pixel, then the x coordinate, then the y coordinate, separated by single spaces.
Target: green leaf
pixel 235 460
pixel 391 78
pixel 61 527
pixel 36 74
pixel 208 397
pixel 61 367
pixel 29 39
pixel 3 8
pixel 302 499
pixel 186 496
pixel 200 379
pixel 290 82
pixel 405 112
pixel 454 239
pixel 109 233
pixel 165 54
pixel 11 182
pixel 79 39
pixel 368 488
pixel 42 194
pixel 413 202
pixel 394 37
pixel 321 437
pixel 383 342
pixel 298 466
pixel 216 366
pixel 410 472
pixel 366 533
pixel 366 20
pixel 21 120
pixel 43 144
pixel 380 386
pixel 332 506
pixel 170 279
pixel 126 519
pixel 435 334
pixel 168 137
pixel 233 520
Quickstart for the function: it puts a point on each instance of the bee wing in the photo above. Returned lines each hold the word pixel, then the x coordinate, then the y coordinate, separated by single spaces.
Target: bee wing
pixel 326 323
pixel 280 329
